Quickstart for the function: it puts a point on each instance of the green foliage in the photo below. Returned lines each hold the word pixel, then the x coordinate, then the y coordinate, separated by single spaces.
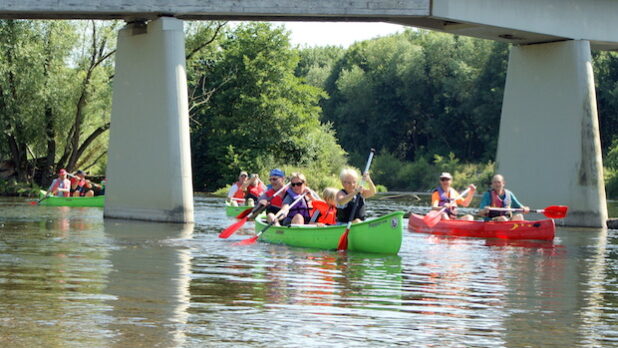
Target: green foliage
pixel 54 94
pixel 611 183
pixel 421 93
pixel 611 159
pixel 422 175
pixel 21 189
pixel 611 171
pixel 316 63
pixel 260 114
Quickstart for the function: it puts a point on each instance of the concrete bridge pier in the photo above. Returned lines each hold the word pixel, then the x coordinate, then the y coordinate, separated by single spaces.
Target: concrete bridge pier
pixel 149 160
pixel 549 147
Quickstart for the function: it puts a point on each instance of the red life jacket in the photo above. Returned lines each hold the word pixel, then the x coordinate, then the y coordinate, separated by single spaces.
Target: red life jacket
pixel 256 190
pixel 328 213
pixel 275 201
pixel 498 202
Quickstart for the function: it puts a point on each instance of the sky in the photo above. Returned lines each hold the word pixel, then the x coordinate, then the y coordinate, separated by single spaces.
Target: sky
pixel 344 34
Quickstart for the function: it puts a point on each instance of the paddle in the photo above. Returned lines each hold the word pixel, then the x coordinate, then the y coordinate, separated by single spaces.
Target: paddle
pixel 47 195
pixel 253 211
pixel 250 210
pixel 343 240
pixel 552 212
pixel 253 239
pixel 433 217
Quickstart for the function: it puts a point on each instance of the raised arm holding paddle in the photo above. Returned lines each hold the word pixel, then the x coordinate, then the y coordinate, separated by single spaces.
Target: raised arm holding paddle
pixel 445 199
pixel 351 206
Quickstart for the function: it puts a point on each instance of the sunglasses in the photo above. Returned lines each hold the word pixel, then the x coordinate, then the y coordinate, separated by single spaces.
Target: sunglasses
pixel 274 179
pixel 445 179
pixel 296 184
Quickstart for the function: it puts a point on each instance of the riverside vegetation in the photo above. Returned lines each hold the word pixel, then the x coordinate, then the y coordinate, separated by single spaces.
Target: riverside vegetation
pixel 428 102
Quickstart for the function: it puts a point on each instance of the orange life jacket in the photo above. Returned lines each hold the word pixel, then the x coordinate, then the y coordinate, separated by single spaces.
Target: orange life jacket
pixel 239 193
pixel 328 213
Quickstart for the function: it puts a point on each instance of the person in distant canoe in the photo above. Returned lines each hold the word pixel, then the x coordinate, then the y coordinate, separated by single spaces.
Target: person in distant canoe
pixel 499 197
pixel 299 214
pixel 444 195
pixel 254 187
pixel 236 194
pixel 273 203
pixel 61 186
pixel 347 196
pixel 80 187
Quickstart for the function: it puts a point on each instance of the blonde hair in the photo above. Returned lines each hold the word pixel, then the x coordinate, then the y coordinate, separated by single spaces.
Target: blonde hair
pixel 330 194
pixel 346 172
pixel 298 176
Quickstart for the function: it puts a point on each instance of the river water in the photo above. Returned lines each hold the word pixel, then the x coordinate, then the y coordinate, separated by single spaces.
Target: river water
pixel 70 279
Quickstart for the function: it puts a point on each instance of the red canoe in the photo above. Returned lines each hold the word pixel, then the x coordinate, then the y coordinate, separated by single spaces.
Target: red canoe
pixel 541 229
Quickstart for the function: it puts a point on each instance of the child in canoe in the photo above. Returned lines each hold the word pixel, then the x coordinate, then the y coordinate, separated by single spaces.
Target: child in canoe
pixel 325 212
pixel 346 197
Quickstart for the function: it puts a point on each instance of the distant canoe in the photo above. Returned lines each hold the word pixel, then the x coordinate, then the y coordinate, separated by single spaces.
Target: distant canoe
pixel 233 211
pixel 540 230
pixel 53 201
pixel 382 235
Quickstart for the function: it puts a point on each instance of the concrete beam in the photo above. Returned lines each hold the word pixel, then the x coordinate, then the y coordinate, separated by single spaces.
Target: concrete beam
pixel 594 21
pixel 517 22
pixel 211 9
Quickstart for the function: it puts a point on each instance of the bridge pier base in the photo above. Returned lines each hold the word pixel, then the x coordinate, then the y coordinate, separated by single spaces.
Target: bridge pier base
pixel 549 147
pixel 149 159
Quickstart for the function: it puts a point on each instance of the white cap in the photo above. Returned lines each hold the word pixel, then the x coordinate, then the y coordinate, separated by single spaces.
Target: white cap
pixel 446 175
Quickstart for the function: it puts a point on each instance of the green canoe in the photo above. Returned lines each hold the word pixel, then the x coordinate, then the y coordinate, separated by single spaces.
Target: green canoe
pixel 231 210
pixel 52 201
pixel 382 235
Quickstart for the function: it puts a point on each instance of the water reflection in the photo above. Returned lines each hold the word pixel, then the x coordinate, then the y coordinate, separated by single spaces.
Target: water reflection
pixel 51 276
pixel 148 283
pixel 69 279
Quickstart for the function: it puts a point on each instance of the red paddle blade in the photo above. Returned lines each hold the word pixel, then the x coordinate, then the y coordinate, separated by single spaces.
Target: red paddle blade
pixel 233 228
pixel 432 218
pixel 343 240
pixel 244 213
pixel 247 241
pixel 556 211
pixel 33 202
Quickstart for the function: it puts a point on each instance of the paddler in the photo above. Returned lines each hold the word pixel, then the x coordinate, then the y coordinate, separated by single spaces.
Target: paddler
pixel 499 197
pixel 444 195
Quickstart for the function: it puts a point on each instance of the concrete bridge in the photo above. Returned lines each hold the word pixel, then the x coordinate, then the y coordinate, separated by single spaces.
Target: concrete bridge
pixel 549 148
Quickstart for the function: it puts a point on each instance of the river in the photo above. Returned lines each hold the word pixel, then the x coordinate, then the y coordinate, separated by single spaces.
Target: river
pixel 69 278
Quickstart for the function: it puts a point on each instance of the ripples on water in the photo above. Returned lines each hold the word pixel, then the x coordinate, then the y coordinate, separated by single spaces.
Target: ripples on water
pixel 68 278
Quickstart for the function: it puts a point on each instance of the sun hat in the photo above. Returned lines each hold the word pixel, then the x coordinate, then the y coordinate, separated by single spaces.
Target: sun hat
pixel 446 175
pixel 242 172
pixel 277 172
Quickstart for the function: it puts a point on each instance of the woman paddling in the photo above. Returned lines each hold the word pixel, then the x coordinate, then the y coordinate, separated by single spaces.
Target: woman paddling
pixel 300 213
pixel 444 194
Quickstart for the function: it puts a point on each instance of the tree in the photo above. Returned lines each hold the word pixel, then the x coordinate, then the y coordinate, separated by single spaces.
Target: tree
pixel 261 114
pixel 54 94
